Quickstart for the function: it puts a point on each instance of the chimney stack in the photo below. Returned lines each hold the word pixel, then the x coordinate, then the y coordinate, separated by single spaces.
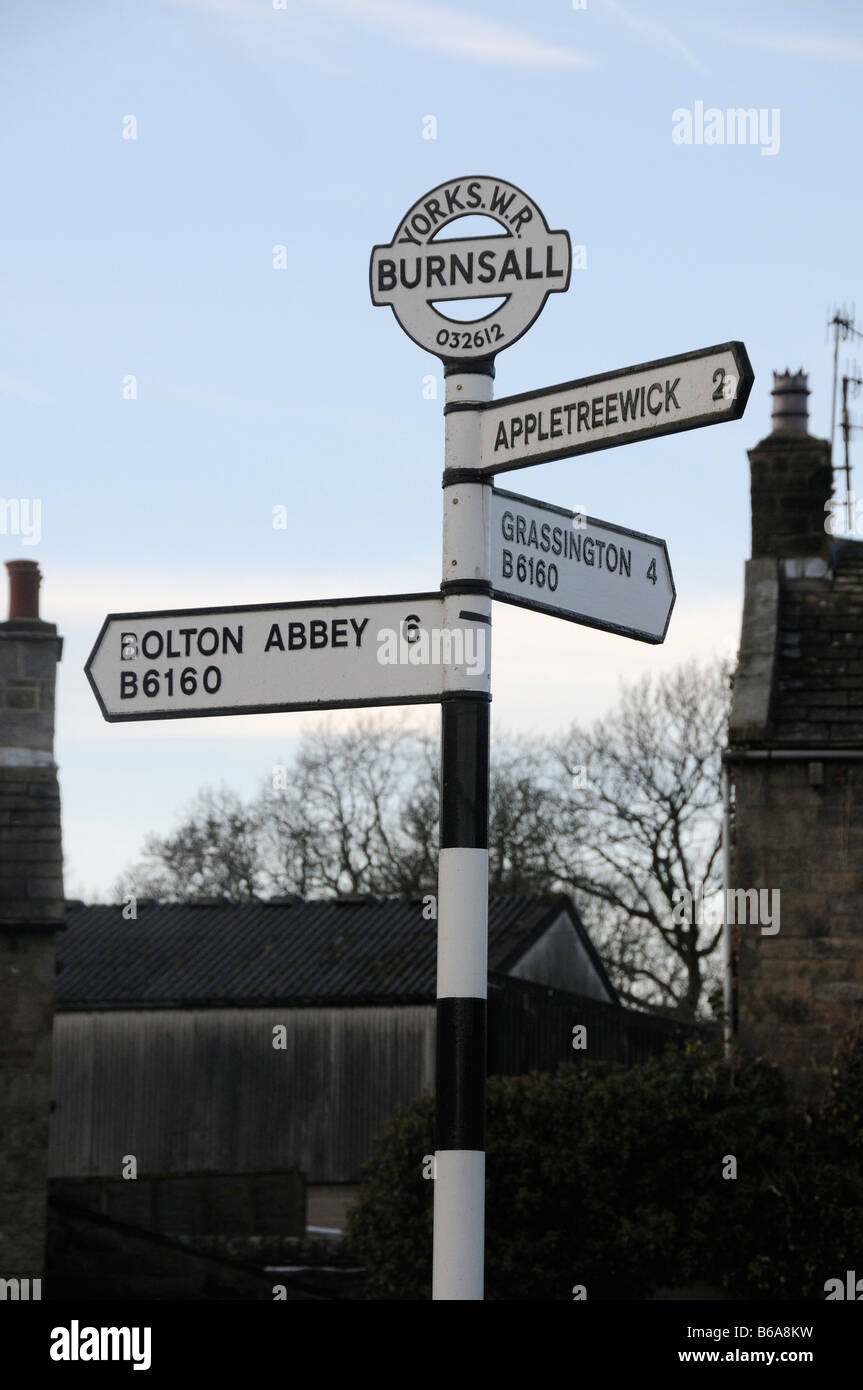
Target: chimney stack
pixel 32 908
pixel 792 480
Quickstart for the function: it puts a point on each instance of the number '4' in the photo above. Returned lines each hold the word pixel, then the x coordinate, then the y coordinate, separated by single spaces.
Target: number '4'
pixel 651 572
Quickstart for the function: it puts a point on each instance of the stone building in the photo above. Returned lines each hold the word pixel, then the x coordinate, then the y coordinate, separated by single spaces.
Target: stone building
pixel 31 911
pixel 795 759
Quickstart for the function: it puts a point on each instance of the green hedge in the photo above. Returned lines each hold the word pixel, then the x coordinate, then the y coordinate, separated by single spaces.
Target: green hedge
pixel 613 1178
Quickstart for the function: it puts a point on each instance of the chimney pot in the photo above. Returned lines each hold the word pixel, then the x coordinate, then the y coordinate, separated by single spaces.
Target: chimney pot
pixel 790 410
pixel 24 581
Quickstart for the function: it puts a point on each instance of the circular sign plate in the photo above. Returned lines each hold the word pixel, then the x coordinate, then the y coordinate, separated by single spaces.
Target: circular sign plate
pixel 420 270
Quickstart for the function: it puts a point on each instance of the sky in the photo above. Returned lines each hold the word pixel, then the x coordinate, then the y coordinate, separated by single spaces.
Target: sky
pixel 169 375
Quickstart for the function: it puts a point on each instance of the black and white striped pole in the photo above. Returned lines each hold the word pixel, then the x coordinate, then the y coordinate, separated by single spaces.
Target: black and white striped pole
pixel 416 274
pixel 462 937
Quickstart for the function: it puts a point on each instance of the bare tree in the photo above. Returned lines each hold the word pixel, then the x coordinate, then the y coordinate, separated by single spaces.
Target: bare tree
pixel 639 832
pixel 523 794
pixel 215 852
pixel 354 813
pixel 623 816
pixel 362 814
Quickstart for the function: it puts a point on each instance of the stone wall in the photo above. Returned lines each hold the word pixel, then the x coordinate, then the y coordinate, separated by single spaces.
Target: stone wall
pixel 26 1012
pixel 800 1000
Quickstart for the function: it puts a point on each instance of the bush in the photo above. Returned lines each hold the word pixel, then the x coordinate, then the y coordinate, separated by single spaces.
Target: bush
pixel 613 1178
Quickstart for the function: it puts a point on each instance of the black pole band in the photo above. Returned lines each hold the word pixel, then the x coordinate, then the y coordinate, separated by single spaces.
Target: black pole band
pixel 452 476
pixel 460 1080
pixel 467 586
pixel 453 407
pixel 464 774
pixel 461 366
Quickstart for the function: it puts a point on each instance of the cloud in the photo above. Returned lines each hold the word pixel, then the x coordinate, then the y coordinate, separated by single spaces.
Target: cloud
pixel 435 28
pixel 655 34
pixel 463 36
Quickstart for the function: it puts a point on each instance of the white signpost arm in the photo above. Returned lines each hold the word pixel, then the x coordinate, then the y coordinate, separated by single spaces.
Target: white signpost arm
pixel 462 937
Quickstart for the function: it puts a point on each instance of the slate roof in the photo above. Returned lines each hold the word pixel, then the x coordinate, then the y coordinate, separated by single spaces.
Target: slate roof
pixel 817 697
pixel 335 952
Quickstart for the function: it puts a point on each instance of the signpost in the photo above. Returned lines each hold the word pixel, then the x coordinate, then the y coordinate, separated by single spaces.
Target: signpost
pixel 327 654
pixel 578 417
pixel 414 648
pixel 578 568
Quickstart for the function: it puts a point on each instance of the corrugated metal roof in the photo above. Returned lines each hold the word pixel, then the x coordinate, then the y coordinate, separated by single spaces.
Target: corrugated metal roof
pixel 302 952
